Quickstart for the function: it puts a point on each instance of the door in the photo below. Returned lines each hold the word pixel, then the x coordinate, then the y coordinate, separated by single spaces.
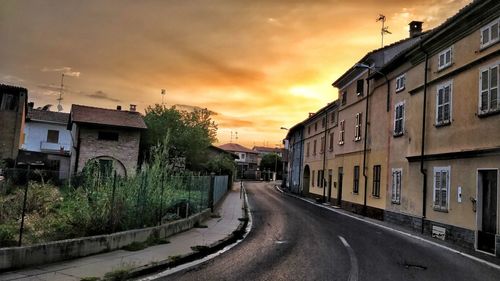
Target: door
pixel 339 192
pixel 305 180
pixel 487 204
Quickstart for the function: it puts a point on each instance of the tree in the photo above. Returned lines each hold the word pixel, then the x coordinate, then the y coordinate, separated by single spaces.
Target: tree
pixel 271 162
pixel 190 133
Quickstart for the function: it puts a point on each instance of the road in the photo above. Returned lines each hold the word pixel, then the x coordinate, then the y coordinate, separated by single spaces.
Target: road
pixel 294 240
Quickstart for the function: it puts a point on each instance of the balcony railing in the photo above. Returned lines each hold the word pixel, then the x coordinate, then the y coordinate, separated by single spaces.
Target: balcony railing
pixel 55 147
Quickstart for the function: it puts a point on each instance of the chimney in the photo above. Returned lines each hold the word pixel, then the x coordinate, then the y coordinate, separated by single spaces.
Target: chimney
pixel 311 114
pixel 118 107
pixel 132 107
pixel 415 28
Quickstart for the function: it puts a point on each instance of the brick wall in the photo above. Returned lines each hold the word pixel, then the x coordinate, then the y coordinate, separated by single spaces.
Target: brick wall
pixel 125 150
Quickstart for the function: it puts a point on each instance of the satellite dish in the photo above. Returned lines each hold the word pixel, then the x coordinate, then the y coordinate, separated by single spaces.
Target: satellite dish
pixel 59 108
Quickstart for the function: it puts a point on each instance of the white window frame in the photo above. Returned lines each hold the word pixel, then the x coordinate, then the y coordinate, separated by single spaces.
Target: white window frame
pixel 400 82
pixel 445 64
pixel 489 89
pixel 342 132
pixel 357 127
pixel 489 28
pixel 442 87
pixel 401 118
pixel 438 188
pixel 396 185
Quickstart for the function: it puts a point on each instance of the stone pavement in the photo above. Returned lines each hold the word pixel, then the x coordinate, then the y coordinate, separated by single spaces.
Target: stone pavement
pixel 230 210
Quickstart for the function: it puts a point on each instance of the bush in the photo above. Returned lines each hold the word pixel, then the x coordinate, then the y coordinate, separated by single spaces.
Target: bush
pixel 8 234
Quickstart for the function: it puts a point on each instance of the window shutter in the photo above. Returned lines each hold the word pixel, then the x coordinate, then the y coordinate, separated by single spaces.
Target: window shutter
pixel 494 88
pixel 437 188
pixel 494 31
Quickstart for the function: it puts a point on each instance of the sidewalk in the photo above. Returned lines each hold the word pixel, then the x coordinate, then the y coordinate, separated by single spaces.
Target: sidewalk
pixel 218 228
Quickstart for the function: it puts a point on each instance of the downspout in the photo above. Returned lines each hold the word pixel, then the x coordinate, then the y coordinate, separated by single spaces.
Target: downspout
pixel 301 145
pixel 365 176
pixel 422 170
pixel 324 156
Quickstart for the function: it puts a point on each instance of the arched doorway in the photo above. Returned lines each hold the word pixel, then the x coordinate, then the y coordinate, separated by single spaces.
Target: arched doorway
pixel 305 180
pixel 108 165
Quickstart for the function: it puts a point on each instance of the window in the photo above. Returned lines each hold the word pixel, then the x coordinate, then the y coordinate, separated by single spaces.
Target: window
pixel 489 34
pixel 396 185
pixel 53 136
pixel 323 122
pixel 322 145
pixel 242 156
pixel 360 87
pixel 319 182
pixel 342 132
pixel 314 147
pixel 316 126
pixel 312 179
pixel 400 83
pixel 357 129
pixel 334 117
pixel 344 97
pixel 309 130
pixel 308 149
pixel 489 96
pixel 445 58
pixel 443 104
pixel 399 119
pixel 441 188
pixel 355 187
pixel 331 142
pixel 111 136
pixel 8 103
pixel 376 180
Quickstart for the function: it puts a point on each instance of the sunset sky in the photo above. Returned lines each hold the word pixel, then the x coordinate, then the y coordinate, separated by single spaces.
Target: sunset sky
pixel 259 65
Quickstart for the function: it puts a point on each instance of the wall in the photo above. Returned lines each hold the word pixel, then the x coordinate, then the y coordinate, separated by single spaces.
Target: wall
pixel 17 257
pixel 125 150
pixel 12 125
pixel 36 133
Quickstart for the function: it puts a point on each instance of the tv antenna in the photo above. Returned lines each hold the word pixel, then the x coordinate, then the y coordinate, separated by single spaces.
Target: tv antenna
pixel 163 93
pixel 59 106
pixel 384 29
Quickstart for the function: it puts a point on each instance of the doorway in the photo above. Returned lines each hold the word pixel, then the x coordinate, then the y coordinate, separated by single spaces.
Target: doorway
pixel 329 199
pixel 339 191
pixel 305 181
pixel 487 192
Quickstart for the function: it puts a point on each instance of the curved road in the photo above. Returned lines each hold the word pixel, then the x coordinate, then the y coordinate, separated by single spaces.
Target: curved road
pixel 294 240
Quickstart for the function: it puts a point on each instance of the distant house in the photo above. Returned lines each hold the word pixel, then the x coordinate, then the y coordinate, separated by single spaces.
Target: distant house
pixel 12 114
pixel 247 161
pixel 263 150
pixel 109 136
pixel 47 140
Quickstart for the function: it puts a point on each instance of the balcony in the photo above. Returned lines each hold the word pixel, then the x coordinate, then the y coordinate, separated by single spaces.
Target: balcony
pixel 55 147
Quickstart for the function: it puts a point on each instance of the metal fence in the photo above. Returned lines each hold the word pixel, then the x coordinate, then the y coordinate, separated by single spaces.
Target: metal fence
pixel 34 210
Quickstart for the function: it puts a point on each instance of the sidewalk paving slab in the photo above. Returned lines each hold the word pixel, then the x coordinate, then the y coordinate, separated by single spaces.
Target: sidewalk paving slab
pixel 218 228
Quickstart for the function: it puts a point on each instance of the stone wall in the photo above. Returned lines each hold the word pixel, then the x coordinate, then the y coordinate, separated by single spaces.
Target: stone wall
pixel 11 129
pixel 18 257
pixel 125 150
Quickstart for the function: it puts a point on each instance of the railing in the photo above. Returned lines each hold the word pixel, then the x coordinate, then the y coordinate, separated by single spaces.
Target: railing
pixel 49 146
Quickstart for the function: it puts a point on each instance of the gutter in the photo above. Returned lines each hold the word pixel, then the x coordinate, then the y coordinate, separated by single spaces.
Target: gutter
pixel 422 152
pixel 365 176
pixel 324 156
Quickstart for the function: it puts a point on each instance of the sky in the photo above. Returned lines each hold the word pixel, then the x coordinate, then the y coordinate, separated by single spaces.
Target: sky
pixel 258 65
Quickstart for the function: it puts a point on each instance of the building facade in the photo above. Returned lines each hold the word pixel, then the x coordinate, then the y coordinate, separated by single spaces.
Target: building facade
pixel 246 163
pixel 111 137
pixel 12 114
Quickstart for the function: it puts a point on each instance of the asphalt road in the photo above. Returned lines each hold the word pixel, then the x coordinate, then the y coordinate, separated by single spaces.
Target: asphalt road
pixel 294 240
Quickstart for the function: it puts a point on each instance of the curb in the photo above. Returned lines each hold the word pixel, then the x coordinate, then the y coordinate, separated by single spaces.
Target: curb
pixel 170 263
pixel 362 219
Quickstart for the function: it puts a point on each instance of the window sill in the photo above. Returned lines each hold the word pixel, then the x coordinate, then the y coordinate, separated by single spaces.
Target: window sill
pixel 438 209
pixel 341 143
pixel 488 113
pixel 356 140
pixel 397 135
pixel 442 124
pixel 484 47
pixel 399 90
pixel 355 193
pixel 444 67
pixel 395 203
pixel 376 196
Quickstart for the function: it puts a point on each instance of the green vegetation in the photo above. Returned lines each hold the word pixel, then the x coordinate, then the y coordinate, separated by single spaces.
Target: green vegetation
pixel 137 246
pixel 271 162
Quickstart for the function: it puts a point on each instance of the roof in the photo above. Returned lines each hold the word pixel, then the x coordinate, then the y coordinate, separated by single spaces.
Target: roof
pixel 266 149
pixel 47 116
pixel 107 117
pixel 236 148
pixel 220 150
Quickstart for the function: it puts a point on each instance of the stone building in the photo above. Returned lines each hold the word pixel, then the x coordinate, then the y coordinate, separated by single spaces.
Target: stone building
pixel 109 136
pixel 12 114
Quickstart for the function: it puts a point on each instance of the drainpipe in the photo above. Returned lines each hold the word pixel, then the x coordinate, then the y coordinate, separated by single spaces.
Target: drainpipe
pixel 301 150
pixel 422 152
pixel 365 176
pixel 324 156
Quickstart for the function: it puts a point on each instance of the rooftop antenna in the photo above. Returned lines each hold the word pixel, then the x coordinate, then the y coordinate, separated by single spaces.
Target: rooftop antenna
pixel 384 29
pixel 163 93
pixel 236 136
pixel 59 106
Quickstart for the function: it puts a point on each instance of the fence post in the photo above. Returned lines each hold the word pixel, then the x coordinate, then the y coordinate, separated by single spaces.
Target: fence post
pixel 111 213
pixel 211 192
pixel 161 197
pixel 21 228
pixel 189 194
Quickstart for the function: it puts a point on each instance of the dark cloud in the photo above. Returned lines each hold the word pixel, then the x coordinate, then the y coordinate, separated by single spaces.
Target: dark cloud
pixel 100 95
